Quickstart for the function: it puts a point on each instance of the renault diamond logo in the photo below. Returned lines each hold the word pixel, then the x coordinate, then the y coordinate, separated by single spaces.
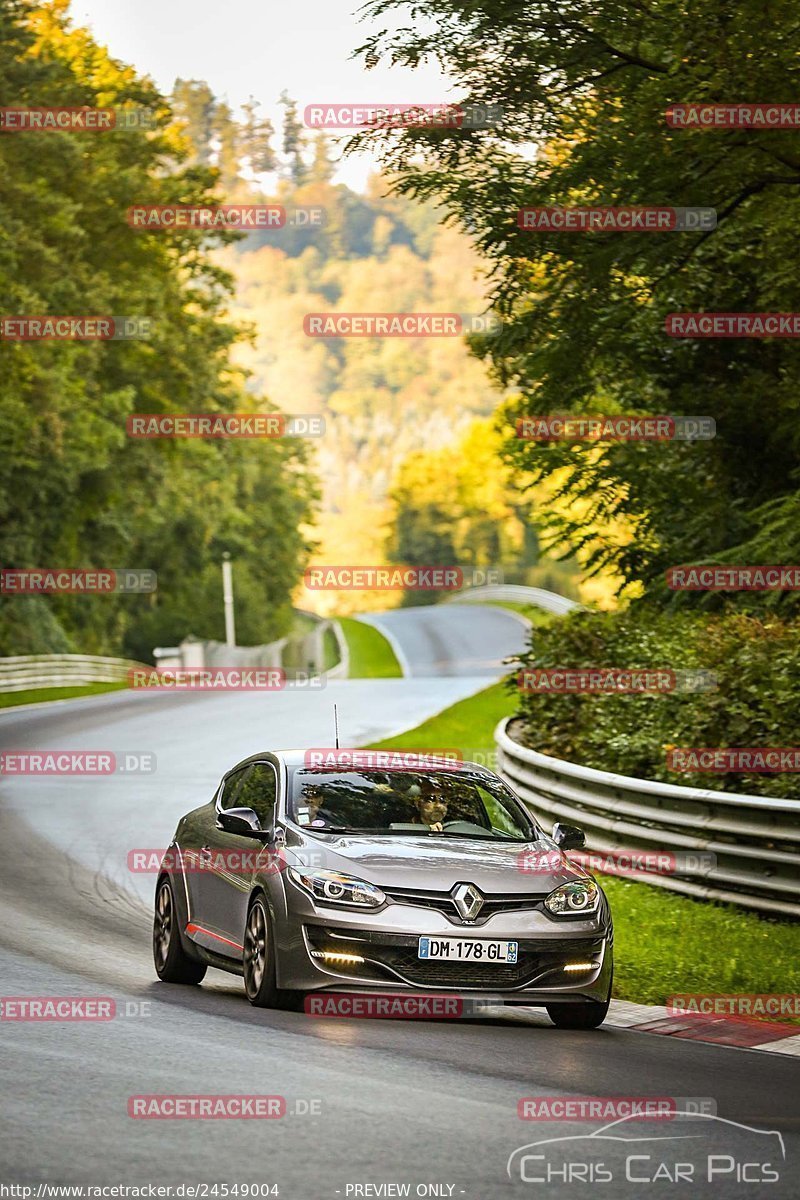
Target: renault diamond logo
pixel 468 900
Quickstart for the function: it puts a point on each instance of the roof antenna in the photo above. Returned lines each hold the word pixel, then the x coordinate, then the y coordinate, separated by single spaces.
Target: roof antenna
pixel 336 724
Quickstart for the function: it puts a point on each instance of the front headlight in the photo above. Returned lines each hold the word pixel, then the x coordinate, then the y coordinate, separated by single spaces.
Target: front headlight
pixel 335 888
pixel 574 899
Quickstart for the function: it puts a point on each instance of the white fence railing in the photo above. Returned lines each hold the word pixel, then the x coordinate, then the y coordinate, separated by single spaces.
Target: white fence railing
pixel 298 654
pixel 729 847
pixel 516 594
pixel 60 670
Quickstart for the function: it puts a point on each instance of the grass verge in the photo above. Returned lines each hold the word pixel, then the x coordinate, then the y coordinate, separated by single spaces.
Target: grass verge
pixel 41 695
pixel 467 726
pixel 665 944
pixel 371 656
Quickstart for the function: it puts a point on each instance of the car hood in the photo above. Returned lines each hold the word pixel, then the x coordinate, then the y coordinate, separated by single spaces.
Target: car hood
pixel 431 863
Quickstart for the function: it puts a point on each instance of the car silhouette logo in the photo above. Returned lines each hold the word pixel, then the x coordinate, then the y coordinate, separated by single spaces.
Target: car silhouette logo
pixel 468 900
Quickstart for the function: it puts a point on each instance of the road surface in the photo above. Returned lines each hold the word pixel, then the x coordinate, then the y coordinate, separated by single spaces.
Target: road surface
pixel 443 641
pixel 375 1108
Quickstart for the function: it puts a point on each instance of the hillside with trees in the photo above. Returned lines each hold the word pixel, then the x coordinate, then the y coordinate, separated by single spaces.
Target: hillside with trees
pixel 400 413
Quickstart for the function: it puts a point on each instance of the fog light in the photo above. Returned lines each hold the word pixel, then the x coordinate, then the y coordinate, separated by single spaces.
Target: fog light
pixel 580 966
pixel 333 956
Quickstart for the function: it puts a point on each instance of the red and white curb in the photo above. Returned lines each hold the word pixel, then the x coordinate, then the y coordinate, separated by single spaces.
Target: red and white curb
pixel 749 1034
pixel 772 1036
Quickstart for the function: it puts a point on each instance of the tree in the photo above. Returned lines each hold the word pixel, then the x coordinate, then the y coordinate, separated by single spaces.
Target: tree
pixel 75 491
pixel 229 146
pixel 457 506
pixel 193 104
pixel 255 136
pixel 323 167
pixel 588 85
pixel 293 140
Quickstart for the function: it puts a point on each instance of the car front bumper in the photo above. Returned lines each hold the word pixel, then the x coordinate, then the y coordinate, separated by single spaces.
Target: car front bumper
pixel 310 935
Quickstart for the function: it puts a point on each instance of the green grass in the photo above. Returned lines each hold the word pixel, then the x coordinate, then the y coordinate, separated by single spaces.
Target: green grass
pixel 371 656
pixel 467 726
pixel 665 944
pixel 40 695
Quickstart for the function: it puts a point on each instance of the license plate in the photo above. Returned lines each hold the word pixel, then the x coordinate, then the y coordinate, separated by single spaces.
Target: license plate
pixel 467 950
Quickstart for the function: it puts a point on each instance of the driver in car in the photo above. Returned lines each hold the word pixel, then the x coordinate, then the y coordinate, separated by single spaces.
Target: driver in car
pixel 310 810
pixel 431 806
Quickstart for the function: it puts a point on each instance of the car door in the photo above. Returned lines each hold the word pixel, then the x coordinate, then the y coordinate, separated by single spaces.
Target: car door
pixel 200 850
pixel 226 884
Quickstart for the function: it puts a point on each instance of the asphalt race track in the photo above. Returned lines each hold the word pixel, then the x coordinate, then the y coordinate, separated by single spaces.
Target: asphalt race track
pixel 443 641
pixel 374 1107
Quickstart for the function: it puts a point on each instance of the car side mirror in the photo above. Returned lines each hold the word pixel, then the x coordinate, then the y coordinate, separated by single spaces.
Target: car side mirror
pixel 568 837
pixel 243 821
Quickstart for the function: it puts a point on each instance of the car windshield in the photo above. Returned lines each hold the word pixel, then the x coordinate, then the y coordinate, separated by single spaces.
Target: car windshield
pixel 438 803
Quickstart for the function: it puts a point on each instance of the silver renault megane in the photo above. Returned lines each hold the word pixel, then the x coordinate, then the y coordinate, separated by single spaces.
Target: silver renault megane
pixel 368 874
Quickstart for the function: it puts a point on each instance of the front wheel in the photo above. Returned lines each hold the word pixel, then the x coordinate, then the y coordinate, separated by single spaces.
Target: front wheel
pixel 587 1015
pixel 259 959
pixel 172 963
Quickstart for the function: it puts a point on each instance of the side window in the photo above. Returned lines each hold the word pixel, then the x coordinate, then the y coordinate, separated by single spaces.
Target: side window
pixel 230 791
pixel 257 791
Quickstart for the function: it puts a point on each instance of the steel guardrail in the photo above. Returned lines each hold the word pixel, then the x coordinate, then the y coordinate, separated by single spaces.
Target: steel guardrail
pixel 730 847
pixel 19 672
pixel 516 594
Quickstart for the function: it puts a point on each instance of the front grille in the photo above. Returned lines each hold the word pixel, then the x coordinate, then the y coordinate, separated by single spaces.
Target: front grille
pixel 455 975
pixel 394 957
pixel 443 902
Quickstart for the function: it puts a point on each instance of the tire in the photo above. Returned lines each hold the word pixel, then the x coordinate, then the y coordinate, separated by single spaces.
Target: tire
pixel 587 1015
pixel 172 963
pixel 259 958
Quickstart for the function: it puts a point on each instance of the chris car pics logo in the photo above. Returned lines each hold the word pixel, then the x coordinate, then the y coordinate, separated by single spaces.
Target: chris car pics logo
pixel 693 1148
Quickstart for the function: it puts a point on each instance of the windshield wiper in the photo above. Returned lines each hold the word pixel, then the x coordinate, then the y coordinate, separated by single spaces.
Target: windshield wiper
pixel 423 830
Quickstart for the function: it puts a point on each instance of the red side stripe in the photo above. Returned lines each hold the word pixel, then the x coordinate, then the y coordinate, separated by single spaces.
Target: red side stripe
pixel 191 928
